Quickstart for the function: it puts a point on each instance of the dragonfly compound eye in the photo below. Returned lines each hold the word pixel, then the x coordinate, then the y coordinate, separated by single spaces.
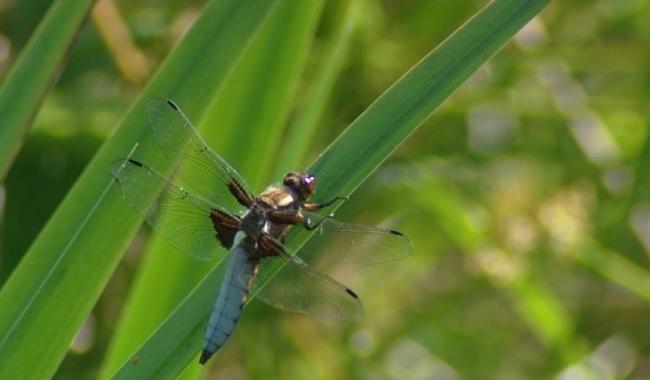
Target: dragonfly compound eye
pixel 309 182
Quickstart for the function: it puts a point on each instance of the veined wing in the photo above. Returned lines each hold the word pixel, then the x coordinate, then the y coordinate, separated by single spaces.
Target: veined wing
pixel 299 288
pixel 355 243
pixel 188 223
pixel 203 170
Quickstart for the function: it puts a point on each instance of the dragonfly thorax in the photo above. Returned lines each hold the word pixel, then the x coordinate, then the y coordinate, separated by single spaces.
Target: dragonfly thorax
pixel 253 222
pixel 278 197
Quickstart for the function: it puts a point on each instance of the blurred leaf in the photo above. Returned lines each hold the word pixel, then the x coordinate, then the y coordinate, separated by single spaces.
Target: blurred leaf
pixel 60 278
pixel 449 210
pixel 350 159
pixel 543 311
pixel 531 298
pixel 308 118
pixel 24 215
pixel 617 252
pixel 615 267
pixel 263 81
pixel 35 71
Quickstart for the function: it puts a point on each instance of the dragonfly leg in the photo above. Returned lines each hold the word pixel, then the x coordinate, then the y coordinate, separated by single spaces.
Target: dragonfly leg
pixel 280 217
pixel 309 225
pixel 318 206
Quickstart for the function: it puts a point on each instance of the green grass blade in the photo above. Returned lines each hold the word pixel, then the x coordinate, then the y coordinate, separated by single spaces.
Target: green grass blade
pixel 179 340
pixel 534 302
pixel 264 80
pixel 615 267
pixel 53 289
pixel 303 129
pixel 35 71
pixel 361 148
pixel 256 101
pixel 352 157
pixel 605 256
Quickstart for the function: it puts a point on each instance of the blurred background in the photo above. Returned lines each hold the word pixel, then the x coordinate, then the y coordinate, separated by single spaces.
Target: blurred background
pixel 525 194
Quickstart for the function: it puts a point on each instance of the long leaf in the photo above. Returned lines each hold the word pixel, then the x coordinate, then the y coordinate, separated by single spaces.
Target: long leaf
pixel 35 71
pixel 353 157
pixel 615 267
pixel 304 127
pixel 264 80
pixel 53 289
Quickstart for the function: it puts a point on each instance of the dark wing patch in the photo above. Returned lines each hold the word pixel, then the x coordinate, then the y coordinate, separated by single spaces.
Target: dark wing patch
pixel 236 189
pixel 225 226
pixel 181 218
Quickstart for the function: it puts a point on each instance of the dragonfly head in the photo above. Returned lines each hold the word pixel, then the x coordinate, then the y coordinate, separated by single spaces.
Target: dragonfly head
pixel 303 184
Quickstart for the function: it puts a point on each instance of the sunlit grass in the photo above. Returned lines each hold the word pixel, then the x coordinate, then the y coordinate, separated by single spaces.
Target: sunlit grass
pixel 525 194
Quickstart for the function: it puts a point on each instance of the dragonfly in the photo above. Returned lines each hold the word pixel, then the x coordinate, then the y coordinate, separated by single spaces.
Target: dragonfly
pixel 217 216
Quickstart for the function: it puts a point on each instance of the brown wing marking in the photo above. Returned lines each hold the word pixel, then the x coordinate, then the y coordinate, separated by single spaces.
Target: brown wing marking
pixel 238 192
pixel 226 227
pixel 266 246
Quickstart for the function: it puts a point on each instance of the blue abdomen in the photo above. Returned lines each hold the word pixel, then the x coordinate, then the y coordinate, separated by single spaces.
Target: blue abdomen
pixel 230 301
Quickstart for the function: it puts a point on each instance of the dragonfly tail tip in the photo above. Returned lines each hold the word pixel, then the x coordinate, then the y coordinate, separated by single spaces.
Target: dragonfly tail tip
pixel 205 355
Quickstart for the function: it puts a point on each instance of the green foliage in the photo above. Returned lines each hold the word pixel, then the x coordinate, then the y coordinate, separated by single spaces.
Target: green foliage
pixel 346 163
pixel 35 71
pixel 66 268
pixel 264 80
pixel 525 193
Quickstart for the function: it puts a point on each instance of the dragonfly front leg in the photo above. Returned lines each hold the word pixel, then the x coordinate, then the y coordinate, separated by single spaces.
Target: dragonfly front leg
pixel 280 217
pixel 309 225
pixel 318 206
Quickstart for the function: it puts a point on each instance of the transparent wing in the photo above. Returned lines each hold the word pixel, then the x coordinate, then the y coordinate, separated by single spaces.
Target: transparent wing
pixel 356 244
pixel 180 218
pixel 299 288
pixel 204 171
